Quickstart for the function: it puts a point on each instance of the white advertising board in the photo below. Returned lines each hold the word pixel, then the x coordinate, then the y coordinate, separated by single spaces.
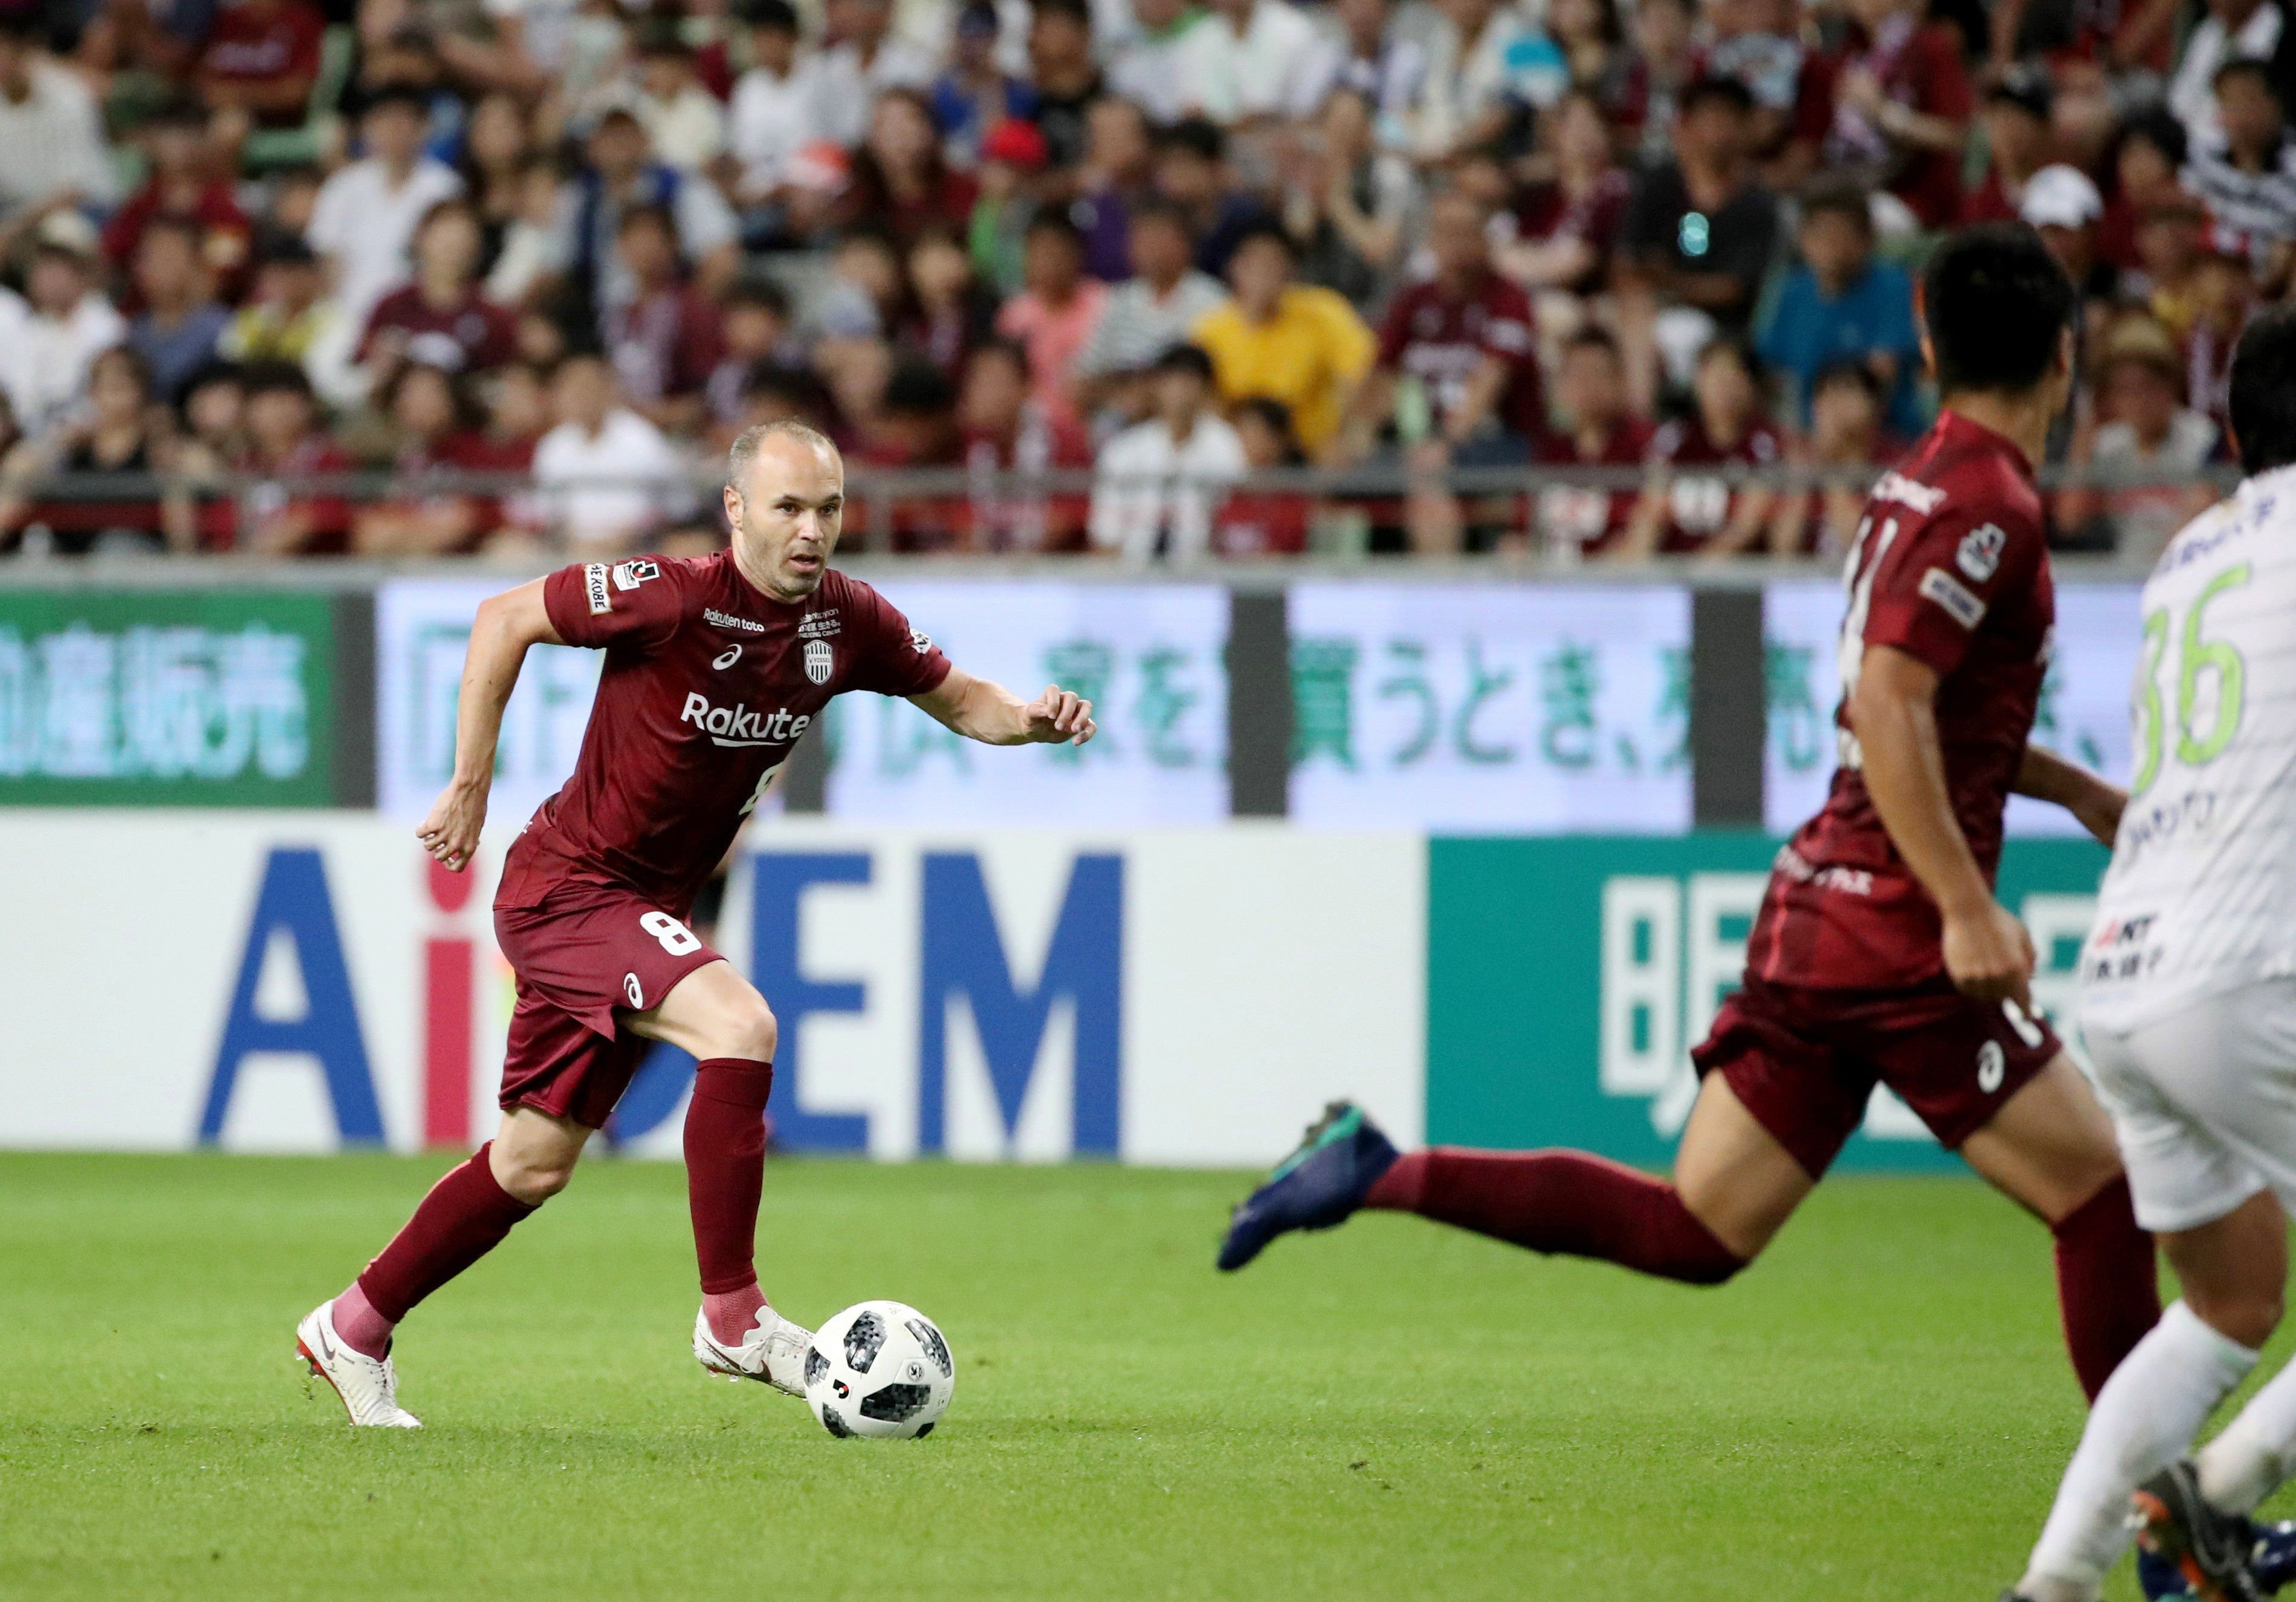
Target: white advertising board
pixel 1492 707
pixel 300 981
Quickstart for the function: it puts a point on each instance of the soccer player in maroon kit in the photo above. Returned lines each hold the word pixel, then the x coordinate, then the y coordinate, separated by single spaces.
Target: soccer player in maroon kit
pixel 1880 954
pixel 715 666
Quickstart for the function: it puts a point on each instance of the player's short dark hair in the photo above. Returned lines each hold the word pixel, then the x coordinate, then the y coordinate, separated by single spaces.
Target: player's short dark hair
pixel 1996 305
pixel 1184 358
pixel 1830 197
pixel 2263 404
pixel 1715 91
pixel 1198 135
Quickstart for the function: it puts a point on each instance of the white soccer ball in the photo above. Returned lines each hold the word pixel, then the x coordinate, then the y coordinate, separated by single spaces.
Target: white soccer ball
pixel 881 1370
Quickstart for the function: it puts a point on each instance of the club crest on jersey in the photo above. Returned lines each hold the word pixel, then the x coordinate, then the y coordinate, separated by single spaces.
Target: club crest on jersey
pixel 1980 551
pixel 820 660
pixel 630 574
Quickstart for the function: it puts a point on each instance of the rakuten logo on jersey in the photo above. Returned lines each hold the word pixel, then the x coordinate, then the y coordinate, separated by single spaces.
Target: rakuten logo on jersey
pixel 740 726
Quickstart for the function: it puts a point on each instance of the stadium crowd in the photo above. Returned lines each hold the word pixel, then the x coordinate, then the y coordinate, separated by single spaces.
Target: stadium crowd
pixel 530 265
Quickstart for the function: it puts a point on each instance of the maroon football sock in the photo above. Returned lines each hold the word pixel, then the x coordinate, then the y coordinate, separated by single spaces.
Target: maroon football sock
pixel 462 1219
pixel 2106 1287
pixel 1559 1201
pixel 724 1175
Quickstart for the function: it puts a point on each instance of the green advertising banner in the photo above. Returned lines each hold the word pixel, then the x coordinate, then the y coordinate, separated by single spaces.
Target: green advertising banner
pixel 146 698
pixel 1567 978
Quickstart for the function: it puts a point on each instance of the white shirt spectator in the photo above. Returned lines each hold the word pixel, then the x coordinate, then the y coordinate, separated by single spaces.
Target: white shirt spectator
pixel 1510 61
pixel 2256 209
pixel 364 223
pixel 1172 74
pixel 608 488
pixel 845 91
pixel 45 360
pixel 688 131
pixel 1156 495
pixel 771 120
pixel 2192 92
pixel 52 143
pixel 1274 67
pixel 545 28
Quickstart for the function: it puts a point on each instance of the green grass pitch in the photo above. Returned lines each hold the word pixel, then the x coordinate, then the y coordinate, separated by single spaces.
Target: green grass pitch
pixel 1879 1409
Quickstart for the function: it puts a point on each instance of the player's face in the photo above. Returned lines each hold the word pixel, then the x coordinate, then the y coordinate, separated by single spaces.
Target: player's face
pixel 786 518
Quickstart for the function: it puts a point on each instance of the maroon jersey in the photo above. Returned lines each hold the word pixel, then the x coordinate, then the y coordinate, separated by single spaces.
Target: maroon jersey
pixel 474 337
pixel 1951 566
pixel 1699 506
pixel 1441 341
pixel 1592 520
pixel 708 683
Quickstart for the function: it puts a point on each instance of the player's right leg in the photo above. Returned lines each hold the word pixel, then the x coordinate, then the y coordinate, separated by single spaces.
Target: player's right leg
pixel 720 1018
pixel 1734 1187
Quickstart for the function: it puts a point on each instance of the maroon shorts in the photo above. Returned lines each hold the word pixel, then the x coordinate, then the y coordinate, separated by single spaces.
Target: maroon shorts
pixel 585 954
pixel 1805 1062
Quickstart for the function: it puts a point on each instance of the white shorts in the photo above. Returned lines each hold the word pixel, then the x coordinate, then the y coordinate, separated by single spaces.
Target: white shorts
pixel 2204 1103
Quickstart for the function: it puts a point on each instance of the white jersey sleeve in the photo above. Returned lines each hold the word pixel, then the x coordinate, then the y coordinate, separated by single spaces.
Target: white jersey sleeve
pixel 2201 897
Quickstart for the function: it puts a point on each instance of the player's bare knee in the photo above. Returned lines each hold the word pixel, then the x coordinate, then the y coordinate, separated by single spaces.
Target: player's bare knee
pixel 749 1031
pixel 533 1180
pixel 2247 1317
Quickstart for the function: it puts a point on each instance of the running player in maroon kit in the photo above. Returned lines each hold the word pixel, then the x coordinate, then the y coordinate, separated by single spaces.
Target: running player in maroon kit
pixel 715 666
pixel 1880 954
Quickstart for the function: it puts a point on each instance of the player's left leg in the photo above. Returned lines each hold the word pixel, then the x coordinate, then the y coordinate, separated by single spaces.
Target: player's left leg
pixel 720 1018
pixel 2050 1148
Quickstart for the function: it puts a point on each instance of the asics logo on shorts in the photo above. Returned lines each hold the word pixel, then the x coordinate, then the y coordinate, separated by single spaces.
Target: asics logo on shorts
pixel 1992 1066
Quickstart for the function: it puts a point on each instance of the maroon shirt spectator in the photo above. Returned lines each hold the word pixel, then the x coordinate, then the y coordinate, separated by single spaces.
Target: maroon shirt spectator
pixel 1466 333
pixel 437 438
pixel 1901 103
pixel 262 58
pixel 667 339
pixel 1684 511
pixel 1598 430
pixel 2017 111
pixel 440 319
pixel 183 186
pixel 899 182
pixel 1264 522
pixel 286 442
pixel 1566 227
pixel 1005 432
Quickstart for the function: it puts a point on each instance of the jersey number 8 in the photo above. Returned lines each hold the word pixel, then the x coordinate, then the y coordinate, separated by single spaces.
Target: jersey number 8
pixel 676 938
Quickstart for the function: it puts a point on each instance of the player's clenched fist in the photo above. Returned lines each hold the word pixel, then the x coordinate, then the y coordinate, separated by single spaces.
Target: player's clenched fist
pixel 451 832
pixel 1990 955
pixel 1060 717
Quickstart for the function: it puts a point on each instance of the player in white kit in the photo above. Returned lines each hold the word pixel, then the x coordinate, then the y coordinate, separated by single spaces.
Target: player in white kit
pixel 2188 1008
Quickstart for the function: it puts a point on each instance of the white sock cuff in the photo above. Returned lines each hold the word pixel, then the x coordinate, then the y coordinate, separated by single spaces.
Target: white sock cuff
pixel 2195 1334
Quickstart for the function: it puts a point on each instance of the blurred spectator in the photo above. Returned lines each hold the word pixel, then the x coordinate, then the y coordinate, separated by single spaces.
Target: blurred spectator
pixel 495 151
pixel 901 183
pixel 1664 64
pixel 1902 104
pixel 776 107
pixel 531 253
pixel 1488 69
pixel 757 335
pixel 367 214
pixel 1758 43
pixel 976 92
pixel 1159 480
pixel 184 183
pixel 912 425
pixel 1192 173
pixel 605 477
pixel 1004 431
pixel 666 339
pixel 1167 65
pixel 51 151
pixel 440 318
pixel 1291 342
pixel 288 315
pixel 176 333
pixel 49 346
pixel 1264 522
pixel 2229 30
pixel 2245 171
pixel 952 314
pixel 1351 213
pixel 1683 510
pixel 1841 303
pixel 2224 298
pixel 1457 373
pixel 434 425
pixel 286 447
pixel 1699 235
pixel 1012 160
pixel 260 63
pixel 2148 154
pixel 1062 75
pixel 2063 206
pixel 1846 432
pixel 2143 427
pixel 111 456
pixel 1263 56
pixel 1377 59
pixel 1154 309
pixel 683 120
pixel 1565 230
pixel 622 174
pixel 1598 430
pixel 1054 314
pixel 1117 177
pixel 867 59
pixel 2017 140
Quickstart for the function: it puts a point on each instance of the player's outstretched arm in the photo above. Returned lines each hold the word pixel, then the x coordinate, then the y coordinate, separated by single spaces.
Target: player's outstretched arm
pixel 2045 776
pixel 984 710
pixel 505 625
pixel 1893 713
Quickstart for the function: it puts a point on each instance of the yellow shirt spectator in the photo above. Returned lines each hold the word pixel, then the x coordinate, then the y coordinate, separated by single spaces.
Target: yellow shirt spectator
pixel 1310 355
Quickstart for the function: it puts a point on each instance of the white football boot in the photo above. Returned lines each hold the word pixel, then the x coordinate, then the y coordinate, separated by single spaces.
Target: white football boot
pixel 369 1388
pixel 773 1352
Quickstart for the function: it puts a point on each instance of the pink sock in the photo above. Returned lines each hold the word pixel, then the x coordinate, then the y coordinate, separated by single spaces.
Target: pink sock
pixel 733 1314
pixel 362 1327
